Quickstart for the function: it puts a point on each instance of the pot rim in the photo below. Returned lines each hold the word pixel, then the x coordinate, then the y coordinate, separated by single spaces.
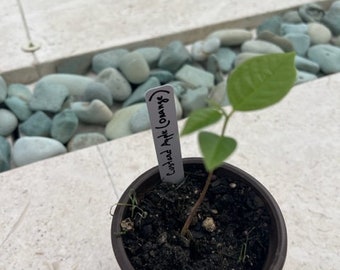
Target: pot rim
pixel 277 250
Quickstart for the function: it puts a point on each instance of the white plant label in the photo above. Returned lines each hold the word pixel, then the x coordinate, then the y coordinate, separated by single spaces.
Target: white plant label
pixel 162 113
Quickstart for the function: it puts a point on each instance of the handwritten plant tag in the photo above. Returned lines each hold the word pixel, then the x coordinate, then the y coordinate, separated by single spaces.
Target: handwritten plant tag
pixel 162 113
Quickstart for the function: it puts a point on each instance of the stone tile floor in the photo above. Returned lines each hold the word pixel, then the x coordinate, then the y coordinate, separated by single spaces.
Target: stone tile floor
pixel 55 214
pixel 71 28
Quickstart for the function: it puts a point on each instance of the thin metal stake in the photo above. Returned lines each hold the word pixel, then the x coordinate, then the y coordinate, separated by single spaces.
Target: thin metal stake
pixel 30 47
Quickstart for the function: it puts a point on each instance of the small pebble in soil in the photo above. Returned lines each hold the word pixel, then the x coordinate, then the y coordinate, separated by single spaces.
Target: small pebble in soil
pixel 209 224
pixel 232 185
pixel 127 225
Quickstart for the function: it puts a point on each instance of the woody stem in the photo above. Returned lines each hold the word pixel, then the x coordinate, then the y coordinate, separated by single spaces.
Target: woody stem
pixel 194 209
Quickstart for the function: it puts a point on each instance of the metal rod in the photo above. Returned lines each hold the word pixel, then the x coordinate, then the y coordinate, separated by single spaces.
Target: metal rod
pixel 31 47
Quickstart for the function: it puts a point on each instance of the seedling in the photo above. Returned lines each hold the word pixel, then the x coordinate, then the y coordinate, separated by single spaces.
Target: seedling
pixel 127 224
pixel 256 84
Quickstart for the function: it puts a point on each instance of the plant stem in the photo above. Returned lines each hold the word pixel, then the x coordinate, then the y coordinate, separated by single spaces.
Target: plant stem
pixel 227 117
pixel 194 209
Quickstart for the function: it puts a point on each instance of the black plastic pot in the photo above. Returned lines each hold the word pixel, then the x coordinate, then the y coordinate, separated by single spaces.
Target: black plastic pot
pixel 277 240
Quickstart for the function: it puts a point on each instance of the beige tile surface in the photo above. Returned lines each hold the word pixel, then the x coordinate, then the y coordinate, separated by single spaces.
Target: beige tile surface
pixel 74 27
pixel 12 38
pixel 55 214
pixel 294 149
pixel 69 28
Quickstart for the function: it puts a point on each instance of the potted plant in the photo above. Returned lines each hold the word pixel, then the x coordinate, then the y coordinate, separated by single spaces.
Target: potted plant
pixel 219 217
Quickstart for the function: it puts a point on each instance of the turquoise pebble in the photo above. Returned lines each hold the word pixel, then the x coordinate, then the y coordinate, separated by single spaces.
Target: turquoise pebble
pixel 19 107
pixel 211 45
pixel 327 56
pixel 300 42
pixel 139 93
pixel 306 65
pixel 151 55
pixel 291 16
pixel 83 140
pixel 108 59
pixel 134 67
pixel 140 120
pixel 214 68
pixel 95 112
pixel 8 122
pixel 244 56
pixel 219 94
pixel 163 76
pixel 27 150
pixel 197 52
pixel 119 125
pixel 311 12
pixel 272 24
pixel 336 41
pixel 118 85
pixel 194 99
pixel 97 90
pixel 303 77
pixel 5 154
pixel 178 87
pixel 291 28
pixel 332 18
pixel 232 37
pixel 48 97
pixel 64 125
pixel 75 84
pixel 19 90
pixel 260 46
pixel 173 56
pixel 38 124
pixel 282 42
pixel 225 59
pixel 195 76
pixel 319 33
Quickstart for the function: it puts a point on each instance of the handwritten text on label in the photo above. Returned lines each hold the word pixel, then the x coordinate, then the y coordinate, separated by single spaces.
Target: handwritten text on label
pixel 162 113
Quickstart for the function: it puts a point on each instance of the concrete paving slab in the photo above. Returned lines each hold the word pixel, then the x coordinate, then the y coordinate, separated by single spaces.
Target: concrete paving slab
pixel 294 148
pixel 55 214
pixel 295 151
pixel 73 28
pixel 13 37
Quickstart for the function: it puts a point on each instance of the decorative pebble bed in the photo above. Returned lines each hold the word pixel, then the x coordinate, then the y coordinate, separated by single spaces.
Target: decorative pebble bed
pixel 66 112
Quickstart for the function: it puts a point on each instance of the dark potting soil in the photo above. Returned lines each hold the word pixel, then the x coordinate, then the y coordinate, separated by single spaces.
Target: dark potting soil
pixel 238 241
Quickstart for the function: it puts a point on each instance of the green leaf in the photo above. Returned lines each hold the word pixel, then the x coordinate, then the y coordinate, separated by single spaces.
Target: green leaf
pixel 201 118
pixel 261 81
pixel 215 149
